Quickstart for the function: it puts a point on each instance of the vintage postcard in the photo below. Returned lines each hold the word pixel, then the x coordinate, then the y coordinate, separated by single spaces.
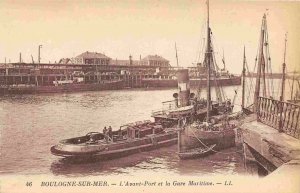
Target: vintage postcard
pixel 149 96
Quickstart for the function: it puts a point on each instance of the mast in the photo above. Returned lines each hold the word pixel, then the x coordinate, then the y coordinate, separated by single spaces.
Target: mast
pixel 263 66
pixel 283 71
pixel 32 59
pixel 282 88
pixel 176 55
pixel 297 96
pixel 208 60
pixel 260 63
pixel 264 59
pixel 244 76
pixel 223 60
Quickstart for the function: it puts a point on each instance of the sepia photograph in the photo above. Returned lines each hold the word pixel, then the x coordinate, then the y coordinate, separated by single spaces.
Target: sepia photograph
pixel 149 96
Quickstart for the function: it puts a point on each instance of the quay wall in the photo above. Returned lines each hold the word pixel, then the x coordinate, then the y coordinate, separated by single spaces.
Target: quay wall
pixel 271 136
pixel 130 80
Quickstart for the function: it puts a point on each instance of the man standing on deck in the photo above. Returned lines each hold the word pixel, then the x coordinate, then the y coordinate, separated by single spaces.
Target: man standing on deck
pixel 105 133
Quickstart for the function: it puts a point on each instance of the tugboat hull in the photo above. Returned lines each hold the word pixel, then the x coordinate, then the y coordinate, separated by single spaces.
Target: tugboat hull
pixel 116 149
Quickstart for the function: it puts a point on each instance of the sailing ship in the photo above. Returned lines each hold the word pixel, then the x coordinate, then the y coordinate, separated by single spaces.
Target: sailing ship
pixel 189 106
pixel 217 132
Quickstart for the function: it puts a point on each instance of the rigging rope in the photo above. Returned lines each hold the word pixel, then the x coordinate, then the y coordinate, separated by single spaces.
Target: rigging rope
pixel 199 89
pixel 236 91
pixel 220 94
pixel 250 88
pixel 202 46
pixel 248 98
pixel 269 61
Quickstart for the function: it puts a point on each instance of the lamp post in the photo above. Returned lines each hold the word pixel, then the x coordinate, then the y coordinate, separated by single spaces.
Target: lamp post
pixel 39 59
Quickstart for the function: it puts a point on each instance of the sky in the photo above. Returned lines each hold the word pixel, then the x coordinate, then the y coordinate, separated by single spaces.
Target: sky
pixel 118 29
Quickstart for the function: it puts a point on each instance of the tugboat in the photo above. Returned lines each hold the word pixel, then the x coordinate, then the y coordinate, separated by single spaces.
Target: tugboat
pixel 217 132
pixel 129 139
pixel 186 106
pixel 140 136
pixel 134 137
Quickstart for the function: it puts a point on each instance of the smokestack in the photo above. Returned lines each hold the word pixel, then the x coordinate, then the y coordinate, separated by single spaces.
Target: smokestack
pixel 20 57
pixel 130 60
pixel 183 87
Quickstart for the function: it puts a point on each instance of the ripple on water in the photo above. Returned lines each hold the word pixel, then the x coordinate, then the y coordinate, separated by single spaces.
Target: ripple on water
pixel 31 124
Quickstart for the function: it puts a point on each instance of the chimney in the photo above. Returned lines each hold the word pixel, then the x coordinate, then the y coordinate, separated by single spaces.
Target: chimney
pixel 130 60
pixel 183 87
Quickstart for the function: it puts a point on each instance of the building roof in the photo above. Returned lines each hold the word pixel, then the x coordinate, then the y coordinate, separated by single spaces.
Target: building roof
pixel 155 57
pixel 65 61
pixel 124 62
pixel 88 54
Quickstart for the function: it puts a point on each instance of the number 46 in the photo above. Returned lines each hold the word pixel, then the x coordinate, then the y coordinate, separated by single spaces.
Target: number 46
pixel 29 184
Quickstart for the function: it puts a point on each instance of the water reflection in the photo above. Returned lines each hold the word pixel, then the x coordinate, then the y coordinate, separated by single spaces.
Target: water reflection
pixel 164 160
pixel 31 124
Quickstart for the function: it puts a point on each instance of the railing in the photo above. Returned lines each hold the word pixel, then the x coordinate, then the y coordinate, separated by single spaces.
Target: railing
pixel 158 112
pixel 283 116
pixel 166 106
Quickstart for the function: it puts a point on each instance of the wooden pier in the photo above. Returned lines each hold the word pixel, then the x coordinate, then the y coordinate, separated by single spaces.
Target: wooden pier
pixel 271 136
pixel 40 77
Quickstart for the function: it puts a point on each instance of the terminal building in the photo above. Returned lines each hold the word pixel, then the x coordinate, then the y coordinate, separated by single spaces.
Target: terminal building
pixel 155 60
pixel 92 58
pixel 95 58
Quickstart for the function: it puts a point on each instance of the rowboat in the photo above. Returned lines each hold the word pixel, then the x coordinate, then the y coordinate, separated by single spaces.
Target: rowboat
pixel 197 152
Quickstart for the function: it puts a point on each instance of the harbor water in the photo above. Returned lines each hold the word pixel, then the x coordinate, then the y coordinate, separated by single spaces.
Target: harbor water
pixel 31 124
